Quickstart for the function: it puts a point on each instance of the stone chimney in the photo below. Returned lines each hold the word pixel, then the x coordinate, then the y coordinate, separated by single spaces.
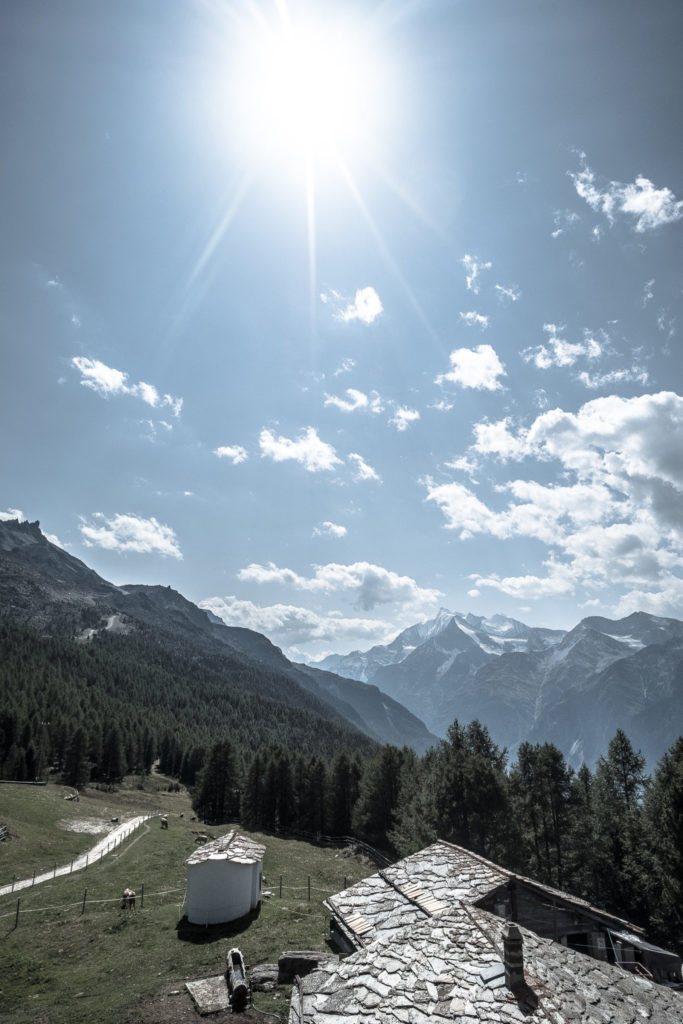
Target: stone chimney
pixel 513 958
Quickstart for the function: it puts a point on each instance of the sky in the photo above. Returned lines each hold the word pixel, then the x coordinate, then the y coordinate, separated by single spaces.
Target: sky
pixel 329 315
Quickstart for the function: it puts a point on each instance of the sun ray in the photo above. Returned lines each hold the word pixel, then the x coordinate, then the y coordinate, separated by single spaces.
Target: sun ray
pixel 386 253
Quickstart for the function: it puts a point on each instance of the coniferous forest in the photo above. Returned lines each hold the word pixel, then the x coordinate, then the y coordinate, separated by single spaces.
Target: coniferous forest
pixel 90 713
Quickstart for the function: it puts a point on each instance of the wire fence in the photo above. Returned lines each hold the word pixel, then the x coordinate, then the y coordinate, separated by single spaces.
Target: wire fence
pixel 142 898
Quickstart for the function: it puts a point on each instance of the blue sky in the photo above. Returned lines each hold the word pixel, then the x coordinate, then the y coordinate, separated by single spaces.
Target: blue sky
pixel 328 315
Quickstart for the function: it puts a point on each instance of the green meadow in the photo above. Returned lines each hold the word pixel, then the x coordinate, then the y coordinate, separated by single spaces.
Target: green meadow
pixel 69 953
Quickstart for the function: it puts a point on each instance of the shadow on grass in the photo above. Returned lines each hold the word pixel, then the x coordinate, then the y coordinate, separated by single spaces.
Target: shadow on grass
pixel 203 933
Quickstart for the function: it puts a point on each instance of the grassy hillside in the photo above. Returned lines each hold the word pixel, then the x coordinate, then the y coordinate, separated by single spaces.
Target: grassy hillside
pixel 63 963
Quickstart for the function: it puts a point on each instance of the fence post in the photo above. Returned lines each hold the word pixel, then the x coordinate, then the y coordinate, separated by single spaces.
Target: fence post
pixel 16 920
pixel 54 873
pixel 345 885
pixel 14 878
pixel 142 895
pixel 85 893
pixel 280 886
pixel 309 888
pixel 33 880
pixel 86 862
pixel 72 865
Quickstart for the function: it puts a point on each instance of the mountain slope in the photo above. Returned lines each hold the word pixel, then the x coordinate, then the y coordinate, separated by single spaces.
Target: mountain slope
pixel 46 588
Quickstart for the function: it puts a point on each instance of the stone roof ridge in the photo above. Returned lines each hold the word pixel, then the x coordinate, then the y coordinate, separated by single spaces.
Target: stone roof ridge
pixel 541 886
pixel 475 856
pixel 231 846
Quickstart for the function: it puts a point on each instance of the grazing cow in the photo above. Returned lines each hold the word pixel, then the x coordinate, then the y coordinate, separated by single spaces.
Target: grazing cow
pixel 164 822
pixel 128 899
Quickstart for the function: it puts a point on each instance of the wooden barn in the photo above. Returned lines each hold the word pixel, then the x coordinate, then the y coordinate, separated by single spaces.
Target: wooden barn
pixel 224 879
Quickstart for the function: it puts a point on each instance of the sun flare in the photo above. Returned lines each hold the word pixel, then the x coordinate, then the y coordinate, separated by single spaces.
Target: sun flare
pixel 309 91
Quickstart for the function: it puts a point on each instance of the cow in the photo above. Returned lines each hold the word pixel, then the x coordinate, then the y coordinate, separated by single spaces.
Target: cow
pixel 128 899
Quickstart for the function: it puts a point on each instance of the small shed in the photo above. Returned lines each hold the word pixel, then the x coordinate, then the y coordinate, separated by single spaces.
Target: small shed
pixel 224 879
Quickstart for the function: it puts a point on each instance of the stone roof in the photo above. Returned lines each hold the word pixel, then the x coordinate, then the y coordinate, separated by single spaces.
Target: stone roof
pixel 426 951
pixel 424 884
pixel 230 847
pixel 449 968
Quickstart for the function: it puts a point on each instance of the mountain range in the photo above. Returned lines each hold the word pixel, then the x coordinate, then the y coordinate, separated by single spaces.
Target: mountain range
pixel 50 591
pixel 571 688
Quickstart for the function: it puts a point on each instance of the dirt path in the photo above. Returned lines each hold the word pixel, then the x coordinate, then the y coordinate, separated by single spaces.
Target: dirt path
pixel 107 845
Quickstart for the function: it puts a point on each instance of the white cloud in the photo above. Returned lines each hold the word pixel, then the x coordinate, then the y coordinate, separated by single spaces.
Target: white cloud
pixel 601 380
pixel 403 417
pixel 235 452
pixel 290 624
pixel 473 268
pixel 345 366
pixel 613 516
pixel 12 513
pixel 508 294
pixel 564 220
pixel 368 584
pixel 474 368
pixel 464 464
pixel 328 529
pixel 124 533
pixel 363 471
pixel 356 400
pixel 443 405
pixel 648 291
pixel 558 352
pixel 651 207
pixel 473 319
pixel 366 307
pixel 308 449
pixel 106 381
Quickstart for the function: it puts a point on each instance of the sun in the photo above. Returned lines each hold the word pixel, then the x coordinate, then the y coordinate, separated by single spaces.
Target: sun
pixel 310 91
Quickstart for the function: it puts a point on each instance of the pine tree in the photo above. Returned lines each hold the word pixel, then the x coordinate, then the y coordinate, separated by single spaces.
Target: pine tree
pixel 217 798
pixel 664 840
pixel 620 782
pixel 76 764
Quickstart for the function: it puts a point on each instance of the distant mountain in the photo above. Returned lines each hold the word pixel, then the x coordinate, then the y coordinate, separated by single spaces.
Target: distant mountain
pixel 573 689
pixel 47 589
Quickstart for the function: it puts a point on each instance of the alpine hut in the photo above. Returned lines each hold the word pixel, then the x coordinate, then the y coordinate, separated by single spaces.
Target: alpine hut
pixel 224 879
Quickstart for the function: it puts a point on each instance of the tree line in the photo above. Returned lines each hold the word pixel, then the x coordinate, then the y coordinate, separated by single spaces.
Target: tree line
pixel 612 836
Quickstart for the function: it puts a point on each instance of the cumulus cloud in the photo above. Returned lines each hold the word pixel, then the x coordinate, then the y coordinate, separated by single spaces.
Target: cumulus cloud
pixel 308 449
pixel 235 452
pixel 366 305
pixel 362 470
pixel 107 381
pixel 473 268
pixel 125 533
pixel 474 368
pixel 290 624
pixel 369 585
pixel 559 352
pixel 473 319
pixel 355 400
pixel 12 513
pixel 613 515
pixel 641 200
pixel 403 417
pixel 328 529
